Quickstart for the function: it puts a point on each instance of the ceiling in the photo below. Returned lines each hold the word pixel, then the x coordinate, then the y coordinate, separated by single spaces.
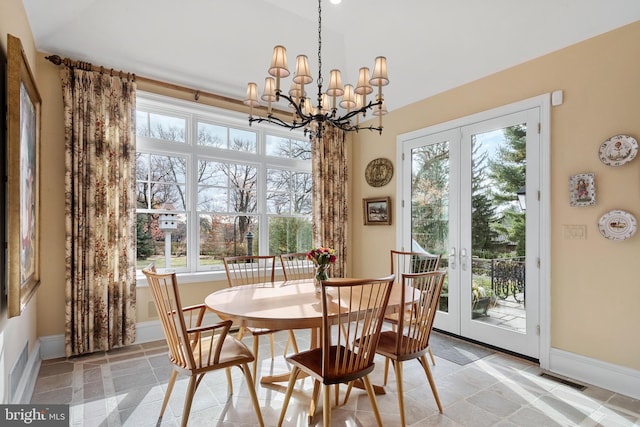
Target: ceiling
pixel 219 46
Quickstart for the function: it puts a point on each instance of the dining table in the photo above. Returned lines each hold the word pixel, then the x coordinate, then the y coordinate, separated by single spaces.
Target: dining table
pixel 280 305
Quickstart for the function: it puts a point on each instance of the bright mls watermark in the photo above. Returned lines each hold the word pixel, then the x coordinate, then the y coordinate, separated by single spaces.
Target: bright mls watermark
pixel 34 415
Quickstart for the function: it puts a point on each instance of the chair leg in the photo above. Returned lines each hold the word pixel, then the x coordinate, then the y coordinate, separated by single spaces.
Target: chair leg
pixel 272 345
pixel 291 340
pixel 314 399
pixel 287 395
pixel 386 370
pixel 398 369
pixel 372 398
pixel 172 381
pixel 252 391
pixel 229 381
pixel 294 343
pixel 255 361
pixel 326 405
pixel 433 360
pixel 191 389
pixel 432 383
pixel 347 393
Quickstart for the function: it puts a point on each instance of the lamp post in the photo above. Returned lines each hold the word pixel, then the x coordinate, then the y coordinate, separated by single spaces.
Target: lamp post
pixel 522 197
pixel 167 223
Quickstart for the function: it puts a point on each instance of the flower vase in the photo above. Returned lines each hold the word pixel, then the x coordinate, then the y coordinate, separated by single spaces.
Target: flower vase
pixel 321 274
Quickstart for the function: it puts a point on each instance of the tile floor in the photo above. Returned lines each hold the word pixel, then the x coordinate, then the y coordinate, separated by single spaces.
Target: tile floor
pixel 125 387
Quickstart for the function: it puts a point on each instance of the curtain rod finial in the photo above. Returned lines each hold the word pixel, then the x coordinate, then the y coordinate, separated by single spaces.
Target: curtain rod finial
pixel 55 59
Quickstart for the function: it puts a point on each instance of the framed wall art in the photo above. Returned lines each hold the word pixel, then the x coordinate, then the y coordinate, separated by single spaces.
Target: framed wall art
pixel 377 211
pixel 3 188
pixel 23 179
pixel 582 189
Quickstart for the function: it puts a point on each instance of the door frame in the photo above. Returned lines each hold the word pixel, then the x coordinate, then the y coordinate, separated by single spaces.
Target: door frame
pixel 543 102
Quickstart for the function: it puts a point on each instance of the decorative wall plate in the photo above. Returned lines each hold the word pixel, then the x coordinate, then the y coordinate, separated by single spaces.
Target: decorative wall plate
pixel 617 225
pixel 379 172
pixel 582 190
pixel 618 150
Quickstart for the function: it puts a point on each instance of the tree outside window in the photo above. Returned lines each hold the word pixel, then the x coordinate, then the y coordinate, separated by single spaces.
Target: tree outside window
pixel 222 180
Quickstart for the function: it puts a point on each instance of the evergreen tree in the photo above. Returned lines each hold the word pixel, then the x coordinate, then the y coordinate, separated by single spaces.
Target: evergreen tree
pixel 483 211
pixel 144 241
pixel 508 170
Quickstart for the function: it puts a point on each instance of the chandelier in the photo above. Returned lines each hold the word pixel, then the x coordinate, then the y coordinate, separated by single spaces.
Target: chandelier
pixel 353 103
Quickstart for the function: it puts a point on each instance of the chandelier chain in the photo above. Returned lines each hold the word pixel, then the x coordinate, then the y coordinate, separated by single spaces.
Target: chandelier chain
pixel 319 51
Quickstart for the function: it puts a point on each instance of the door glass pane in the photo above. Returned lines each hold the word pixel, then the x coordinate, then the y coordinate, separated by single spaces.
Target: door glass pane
pixel 430 204
pixel 498 170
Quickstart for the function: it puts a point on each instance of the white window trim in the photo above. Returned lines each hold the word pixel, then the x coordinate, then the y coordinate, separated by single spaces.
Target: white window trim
pixel 162 104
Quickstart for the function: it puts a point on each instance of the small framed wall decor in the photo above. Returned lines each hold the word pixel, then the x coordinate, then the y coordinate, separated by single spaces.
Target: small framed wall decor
pixel 377 211
pixel 582 189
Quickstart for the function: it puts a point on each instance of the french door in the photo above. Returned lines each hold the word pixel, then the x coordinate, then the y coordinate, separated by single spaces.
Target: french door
pixel 470 193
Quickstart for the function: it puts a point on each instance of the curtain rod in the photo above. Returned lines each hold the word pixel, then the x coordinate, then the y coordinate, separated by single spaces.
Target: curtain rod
pixel 71 63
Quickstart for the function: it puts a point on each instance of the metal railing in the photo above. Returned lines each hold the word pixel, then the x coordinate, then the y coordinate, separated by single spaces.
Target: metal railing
pixel 508 277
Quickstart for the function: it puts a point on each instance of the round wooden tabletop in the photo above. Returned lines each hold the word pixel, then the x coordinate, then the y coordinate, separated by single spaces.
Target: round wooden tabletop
pixel 292 304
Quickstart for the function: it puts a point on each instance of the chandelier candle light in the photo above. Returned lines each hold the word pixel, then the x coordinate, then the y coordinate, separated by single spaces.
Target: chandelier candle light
pixel 322 258
pixel 313 119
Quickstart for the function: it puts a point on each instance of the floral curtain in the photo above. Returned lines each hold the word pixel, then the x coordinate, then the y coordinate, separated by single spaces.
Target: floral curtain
pixel 99 127
pixel 329 195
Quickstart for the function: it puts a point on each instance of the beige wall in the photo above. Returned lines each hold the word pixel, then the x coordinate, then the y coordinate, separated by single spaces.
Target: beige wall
pixel 595 283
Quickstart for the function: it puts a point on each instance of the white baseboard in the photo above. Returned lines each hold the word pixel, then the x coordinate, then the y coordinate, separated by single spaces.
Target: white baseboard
pixel 52 346
pixel 596 372
pixel 27 382
pixel 150 330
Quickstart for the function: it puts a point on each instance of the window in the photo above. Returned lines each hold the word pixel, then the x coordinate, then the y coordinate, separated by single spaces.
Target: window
pixel 210 186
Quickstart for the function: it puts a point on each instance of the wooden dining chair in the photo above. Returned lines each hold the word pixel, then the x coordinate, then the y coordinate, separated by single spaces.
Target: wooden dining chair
pixel 413 262
pixel 296 266
pixel 357 307
pixel 195 349
pixel 410 262
pixel 411 338
pixel 249 270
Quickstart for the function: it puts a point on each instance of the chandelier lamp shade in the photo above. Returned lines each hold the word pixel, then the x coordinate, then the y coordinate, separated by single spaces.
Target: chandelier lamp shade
pixel 339 106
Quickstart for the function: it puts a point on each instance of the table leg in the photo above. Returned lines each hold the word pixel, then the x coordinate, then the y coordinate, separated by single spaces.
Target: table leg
pixel 314 342
pixel 378 389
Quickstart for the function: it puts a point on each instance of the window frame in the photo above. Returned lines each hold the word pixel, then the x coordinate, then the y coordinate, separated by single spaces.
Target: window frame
pixel 193 152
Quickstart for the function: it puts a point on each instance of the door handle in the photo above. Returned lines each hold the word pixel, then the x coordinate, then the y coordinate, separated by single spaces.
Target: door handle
pixel 452 258
pixel 463 259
